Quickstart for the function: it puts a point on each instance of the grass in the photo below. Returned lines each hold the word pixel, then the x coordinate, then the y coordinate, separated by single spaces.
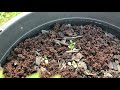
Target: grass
pixel 5 16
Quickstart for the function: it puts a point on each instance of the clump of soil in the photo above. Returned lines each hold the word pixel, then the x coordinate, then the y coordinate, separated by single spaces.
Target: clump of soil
pixel 96 54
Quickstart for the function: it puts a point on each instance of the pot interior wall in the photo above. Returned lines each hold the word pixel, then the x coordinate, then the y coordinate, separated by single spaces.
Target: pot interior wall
pixel 107 27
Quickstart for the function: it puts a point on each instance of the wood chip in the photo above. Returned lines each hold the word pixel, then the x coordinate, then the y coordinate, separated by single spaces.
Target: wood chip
pixel 117 57
pixel 82 64
pixel 38 60
pixel 44 31
pixel 106 74
pixel 42 69
pixel 77 57
pixel 114 66
pixel 37 53
pixel 63 65
pixel 118 67
pixel 87 72
pixel 74 64
pixel 110 65
pixel 72 51
pixel 46 61
pixel 61 42
pixel 117 62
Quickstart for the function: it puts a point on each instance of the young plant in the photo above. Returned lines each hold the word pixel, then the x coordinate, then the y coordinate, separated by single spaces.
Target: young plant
pixel 34 75
pixel 71 45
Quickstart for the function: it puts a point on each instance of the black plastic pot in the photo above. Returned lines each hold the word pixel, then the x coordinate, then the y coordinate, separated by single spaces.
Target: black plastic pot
pixel 31 24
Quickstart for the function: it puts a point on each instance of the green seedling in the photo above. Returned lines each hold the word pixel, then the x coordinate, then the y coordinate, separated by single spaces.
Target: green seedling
pixel 34 75
pixel 71 45
pixel 1 73
pixel 56 76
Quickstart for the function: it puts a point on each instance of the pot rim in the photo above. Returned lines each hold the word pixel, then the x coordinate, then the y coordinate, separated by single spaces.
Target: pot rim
pixel 61 19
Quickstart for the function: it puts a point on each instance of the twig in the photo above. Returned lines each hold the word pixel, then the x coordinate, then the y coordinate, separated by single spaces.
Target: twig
pixel 74 50
pixel 61 42
pixel 72 37
pixel 44 31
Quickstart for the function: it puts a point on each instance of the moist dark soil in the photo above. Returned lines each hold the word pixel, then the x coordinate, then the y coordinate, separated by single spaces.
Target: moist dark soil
pixel 96 54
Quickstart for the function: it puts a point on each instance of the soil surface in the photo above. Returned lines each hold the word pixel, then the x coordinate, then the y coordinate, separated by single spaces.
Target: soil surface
pixel 96 54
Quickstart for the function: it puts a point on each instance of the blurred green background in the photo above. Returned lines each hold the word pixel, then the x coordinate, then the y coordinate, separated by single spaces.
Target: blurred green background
pixel 5 16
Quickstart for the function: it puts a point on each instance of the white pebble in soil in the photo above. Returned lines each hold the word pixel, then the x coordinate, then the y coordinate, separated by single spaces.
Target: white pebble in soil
pixel 46 61
pixel 21 28
pixel 69 63
pixel 68 25
pixel 15 63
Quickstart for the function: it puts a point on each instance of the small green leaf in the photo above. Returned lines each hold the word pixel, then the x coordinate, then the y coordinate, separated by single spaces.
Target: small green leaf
pixel 71 41
pixel 34 75
pixel 74 43
pixel 1 73
pixel 71 45
pixel 56 76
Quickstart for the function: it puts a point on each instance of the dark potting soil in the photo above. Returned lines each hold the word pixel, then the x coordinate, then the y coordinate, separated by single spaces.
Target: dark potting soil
pixel 96 54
